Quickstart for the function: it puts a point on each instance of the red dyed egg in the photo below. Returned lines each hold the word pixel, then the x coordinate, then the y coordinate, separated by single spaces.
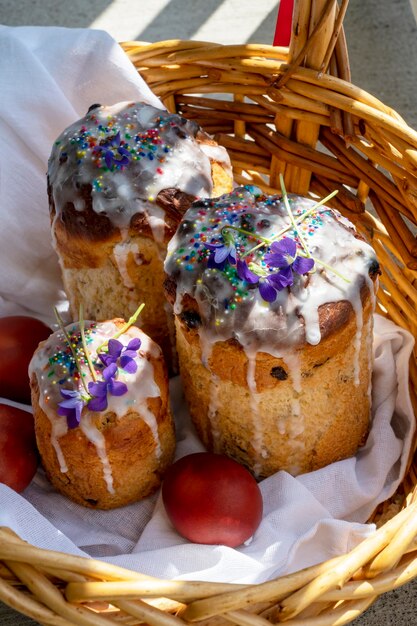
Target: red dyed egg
pixel 19 338
pixel 18 451
pixel 212 499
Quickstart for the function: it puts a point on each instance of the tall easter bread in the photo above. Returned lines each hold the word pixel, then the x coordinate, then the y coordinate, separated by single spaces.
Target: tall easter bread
pixel 119 182
pixel 274 298
pixel 102 417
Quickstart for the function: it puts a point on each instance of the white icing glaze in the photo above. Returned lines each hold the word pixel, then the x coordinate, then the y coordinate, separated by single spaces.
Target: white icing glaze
pixel 122 156
pixel 245 316
pixel 218 154
pixel 53 363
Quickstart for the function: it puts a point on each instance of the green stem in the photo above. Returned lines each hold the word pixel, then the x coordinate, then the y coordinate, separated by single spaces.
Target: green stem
pixel 125 327
pixel 299 219
pixel 248 234
pixel 74 354
pixel 331 269
pixel 320 203
pixel 84 342
pixel 130 321
pixel 291 216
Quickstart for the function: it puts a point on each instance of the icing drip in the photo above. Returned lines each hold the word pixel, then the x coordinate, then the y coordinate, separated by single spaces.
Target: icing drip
pixel 124 155
pixel 257 437
pixel 95 436
pixel 296 426
pixel 121 252
pixel 53 365
pixel 206 345
pixel 370 355
pixel 357 308
pixel 58 429
pixel 213 408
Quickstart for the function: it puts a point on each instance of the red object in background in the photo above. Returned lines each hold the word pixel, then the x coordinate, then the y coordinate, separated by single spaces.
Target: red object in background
pixel 284 22
pixel 19 338
pixel 18 452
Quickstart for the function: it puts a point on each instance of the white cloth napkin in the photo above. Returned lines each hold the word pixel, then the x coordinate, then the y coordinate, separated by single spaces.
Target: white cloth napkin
pixel 48 78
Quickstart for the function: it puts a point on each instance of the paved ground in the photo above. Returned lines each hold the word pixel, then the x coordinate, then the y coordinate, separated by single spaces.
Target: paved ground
pixel 382 40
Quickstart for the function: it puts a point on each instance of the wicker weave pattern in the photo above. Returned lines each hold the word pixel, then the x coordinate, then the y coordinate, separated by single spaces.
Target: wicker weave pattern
pixel 293 112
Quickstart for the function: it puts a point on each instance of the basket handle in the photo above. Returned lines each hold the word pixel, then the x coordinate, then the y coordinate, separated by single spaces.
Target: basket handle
pixel 318 43
pixel 311 29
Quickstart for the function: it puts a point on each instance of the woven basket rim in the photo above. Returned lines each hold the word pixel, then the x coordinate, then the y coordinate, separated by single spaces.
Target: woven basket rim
pixel 388 556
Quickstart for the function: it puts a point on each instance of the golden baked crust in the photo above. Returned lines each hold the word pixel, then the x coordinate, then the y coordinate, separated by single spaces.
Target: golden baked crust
pixel 105 295
pixel 134 456
pixel 333 412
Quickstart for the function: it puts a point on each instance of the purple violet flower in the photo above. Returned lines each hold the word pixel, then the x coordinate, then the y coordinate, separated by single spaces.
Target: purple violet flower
pixel 114 153
pixel 245 273
pixel 268 288
pixel 266 284
pixel 223 253
pixel 100 389
pixel 126 354
pixel 71 407
pixel 284 255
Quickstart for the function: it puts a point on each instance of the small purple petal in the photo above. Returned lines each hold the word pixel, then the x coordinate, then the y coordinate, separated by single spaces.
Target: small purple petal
pixel 117 388
pixel 70 393
pixel 106 359
pixel 245 273
pixel 211 263
pixel 98 404
pixel 71 403
pixel 73 420
pixel 78 411
pixel 282 279
pixel 71 408
pixel 124 156
pixel 115 348
pixel 109 372
pixel 221 254
pixel 134 344
pixel 267 291
pixel 98 389
pixel 212 246
pixel 128 364
pixel 108 157
pixel 115 140
pixel 286 246
pixel 277 260
pixel 131 354
pixel 232 257
pixel 302 265
pixel 64 411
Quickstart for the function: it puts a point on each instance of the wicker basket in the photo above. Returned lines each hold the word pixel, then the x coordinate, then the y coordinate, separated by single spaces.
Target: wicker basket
pixel 277 111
